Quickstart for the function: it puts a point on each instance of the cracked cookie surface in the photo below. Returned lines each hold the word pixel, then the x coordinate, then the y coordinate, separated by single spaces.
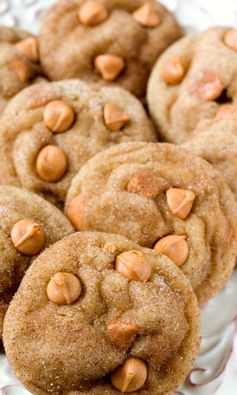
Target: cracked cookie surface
pixel 28 225
pixel 76 347
pixel 218 146
pixel 18 64
pixel 107 41
pixel 192 81
pixel 161 196
pixel 59 126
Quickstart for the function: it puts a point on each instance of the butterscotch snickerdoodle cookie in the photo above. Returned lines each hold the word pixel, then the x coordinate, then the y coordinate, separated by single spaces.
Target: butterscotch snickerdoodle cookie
pixel 28 224
pixel 161 196
pixel 58 126
pixel 18 62
pixel 192 81
pixel 106 41
pixel 98 314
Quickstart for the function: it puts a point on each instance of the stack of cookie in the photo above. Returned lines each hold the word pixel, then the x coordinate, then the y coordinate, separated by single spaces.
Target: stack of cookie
pixel 140 232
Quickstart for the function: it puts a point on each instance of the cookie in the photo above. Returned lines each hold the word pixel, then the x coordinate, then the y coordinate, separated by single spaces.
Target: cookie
pixel 192 81
pixel 58 126
pixel 218 147
pixel 161 196
pixel 18 64
pixel 28 224
pixel 92 307
pixel 106 41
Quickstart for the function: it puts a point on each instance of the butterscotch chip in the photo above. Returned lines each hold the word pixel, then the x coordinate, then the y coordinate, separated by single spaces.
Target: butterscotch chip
pixel 133 265
pixel 110 248
pixel 64 288
pixel 92 13
pixel 196 213
pixel 121 334
pixel 147 15
pixel 173 71
pixel 115 117
pixel 115 336
pixel 175 247
pixel 143 183
pixel 109 66
pixel 111 35
pixel 131 376
pixel 180 201
pixel 230 39
pixel 59 116
pixel 28 237
pixel 20 69
pixel 75 211
pixel 30 48
pixel 17 70
pixel 51 163
pixel 210 87
pixel 28 224
pixel 69 115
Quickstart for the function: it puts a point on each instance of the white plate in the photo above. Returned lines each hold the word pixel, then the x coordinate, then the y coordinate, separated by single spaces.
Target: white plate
pixel 215 371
